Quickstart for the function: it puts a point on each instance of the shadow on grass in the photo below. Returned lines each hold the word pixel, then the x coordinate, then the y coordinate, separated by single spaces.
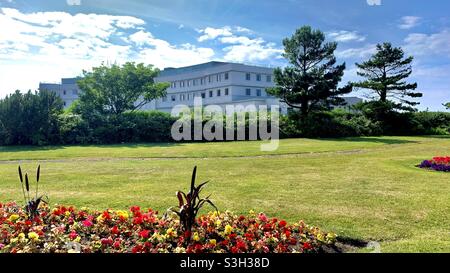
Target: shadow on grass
pixel 382 140
pixel 28 148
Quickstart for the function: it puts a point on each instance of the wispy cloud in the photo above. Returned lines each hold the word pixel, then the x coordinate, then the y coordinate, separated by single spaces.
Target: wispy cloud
pixel 421 44
pixel 408 22
pixel 346 36
pixel 45 46
pixel 73 2
pixel 240 45
pixel 357 52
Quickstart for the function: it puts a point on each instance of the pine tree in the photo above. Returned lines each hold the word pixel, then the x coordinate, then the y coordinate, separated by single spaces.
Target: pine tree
pixel 311 82
pixel 386 73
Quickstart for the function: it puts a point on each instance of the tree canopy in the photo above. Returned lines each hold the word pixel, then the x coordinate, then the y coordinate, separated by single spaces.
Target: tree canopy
pixel 114 89
pixel 385 75
pixel 311 82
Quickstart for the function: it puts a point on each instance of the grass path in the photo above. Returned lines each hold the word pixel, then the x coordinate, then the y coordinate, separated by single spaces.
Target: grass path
pixel 366 188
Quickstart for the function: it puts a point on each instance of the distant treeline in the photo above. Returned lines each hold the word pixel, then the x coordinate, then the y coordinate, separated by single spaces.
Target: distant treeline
pixel 39 119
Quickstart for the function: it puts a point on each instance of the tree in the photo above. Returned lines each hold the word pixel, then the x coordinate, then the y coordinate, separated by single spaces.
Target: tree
pixel 311 83
pixel 447 105
pixel 30 118
pixel 112 90
pixel 386 73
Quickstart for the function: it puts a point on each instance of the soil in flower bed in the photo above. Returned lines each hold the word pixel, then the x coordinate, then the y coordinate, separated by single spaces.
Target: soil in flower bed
pixel 441 164
pixel 67 229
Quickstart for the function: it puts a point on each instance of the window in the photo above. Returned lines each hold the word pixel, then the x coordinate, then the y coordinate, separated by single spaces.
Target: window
pixel 203 95
pixel 248 92
pixel 226 91
pixel 173 98
pixel 209 79
pixel 268 78
pixel 164 98
pixel 226 76
pixel 210 94
pixel 258 77
pixel 201 81
pixel 189 83
pixel 247 76
pixel 65 104
pixel 218 92
pixel 64 92
pixel 218 78
pixel 195 82
pixel 258 92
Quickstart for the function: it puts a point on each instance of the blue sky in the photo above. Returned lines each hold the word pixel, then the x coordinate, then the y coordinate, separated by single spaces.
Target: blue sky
pixel 49 39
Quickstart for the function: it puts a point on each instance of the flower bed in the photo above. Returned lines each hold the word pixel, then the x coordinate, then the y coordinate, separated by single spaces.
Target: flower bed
pixel 67 229
pixel 441 164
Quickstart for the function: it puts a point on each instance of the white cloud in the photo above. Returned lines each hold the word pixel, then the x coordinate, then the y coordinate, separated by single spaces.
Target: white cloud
pixel 180 26
pixel 45 46
pixel 428 44
pixel 240 48
pixel 73 2
pixel 409 22
pixel 210 33
pixel 373 2
pixel 359 52
pixel 346 36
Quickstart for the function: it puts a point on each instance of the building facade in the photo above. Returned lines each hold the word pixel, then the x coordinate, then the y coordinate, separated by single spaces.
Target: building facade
pixel 216 83
pixel 67 90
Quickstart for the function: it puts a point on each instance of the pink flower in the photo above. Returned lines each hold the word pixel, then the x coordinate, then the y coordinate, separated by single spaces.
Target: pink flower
pixel 262 217
pixel 87 223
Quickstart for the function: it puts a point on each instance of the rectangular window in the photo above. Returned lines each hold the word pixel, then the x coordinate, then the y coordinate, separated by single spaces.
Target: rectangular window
pixel 258 92
pixel 210 94
pixel 268 78
pixel 64 92
pixel 203 95
pixel 226 91
pixel 201 81
pixel 247 76
pixel 189 83
pixel 164 98
pixel 226 76
pixel 258 77
pixel 209 79
pixel 195 82
pixel 218 92
pixel 218 77
pixel 173 98
pixel 248 92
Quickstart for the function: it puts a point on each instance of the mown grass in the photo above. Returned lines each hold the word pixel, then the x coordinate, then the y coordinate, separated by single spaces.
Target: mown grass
pixel 361 188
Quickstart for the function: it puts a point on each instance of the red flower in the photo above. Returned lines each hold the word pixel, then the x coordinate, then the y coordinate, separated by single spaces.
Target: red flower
pixel 241 245
pixel 241 218
pixel 115 230
pixel 116 244
pixel 307 245
pixel 234 249
pixel 137 220
pixel 282 224
pixel 106 241
pixel 144 233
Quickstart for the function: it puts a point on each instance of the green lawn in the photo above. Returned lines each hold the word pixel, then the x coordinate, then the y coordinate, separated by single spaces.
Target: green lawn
pixel 361 188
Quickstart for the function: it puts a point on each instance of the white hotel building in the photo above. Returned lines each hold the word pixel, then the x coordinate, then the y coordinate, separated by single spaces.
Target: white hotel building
pixel 217 83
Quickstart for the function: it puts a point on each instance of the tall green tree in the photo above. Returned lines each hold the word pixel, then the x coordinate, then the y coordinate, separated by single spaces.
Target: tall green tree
pixel 311 81
pixel 112 90
pixel 385 75
pixel 30 118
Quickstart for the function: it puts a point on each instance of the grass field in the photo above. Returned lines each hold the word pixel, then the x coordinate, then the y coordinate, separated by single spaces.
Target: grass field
pixel 360 188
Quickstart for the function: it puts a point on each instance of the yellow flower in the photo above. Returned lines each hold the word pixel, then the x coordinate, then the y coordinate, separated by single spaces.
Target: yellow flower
pixel 13 217
pixel 100 218
pixel 228 229
pixel 67 213
pixel 171 232
pixel 320 237
pixel 196 237
pixel 123 214
pixel 213 242
pixel 33 236
pixel 218 223
pixel 21 235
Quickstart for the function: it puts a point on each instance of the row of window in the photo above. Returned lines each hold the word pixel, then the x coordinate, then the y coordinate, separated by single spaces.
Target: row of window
pixel 74 92
pixel 215 78
pixel 191 96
